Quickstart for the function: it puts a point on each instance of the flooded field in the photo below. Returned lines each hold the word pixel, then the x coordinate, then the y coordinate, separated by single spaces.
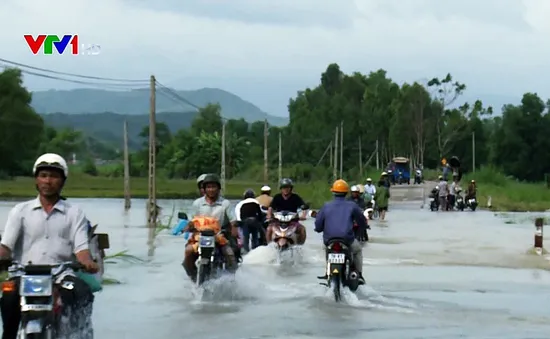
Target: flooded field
pixel 429 275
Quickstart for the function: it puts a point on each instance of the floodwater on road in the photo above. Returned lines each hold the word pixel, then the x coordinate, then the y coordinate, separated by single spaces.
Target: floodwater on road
pixel 429 275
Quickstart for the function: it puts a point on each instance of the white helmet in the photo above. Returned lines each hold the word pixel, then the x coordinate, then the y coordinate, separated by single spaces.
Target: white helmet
pixel 265 188
pixel 51 160
pixel 370 180
pixel 354 188
pixel 201 178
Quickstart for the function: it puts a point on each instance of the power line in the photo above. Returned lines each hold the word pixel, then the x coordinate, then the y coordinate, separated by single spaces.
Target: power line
pixel 103 85
pixel 176 95
pixel 71 74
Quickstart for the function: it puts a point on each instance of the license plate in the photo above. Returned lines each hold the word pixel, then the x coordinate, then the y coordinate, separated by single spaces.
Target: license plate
pixel 33 326
pixel 337 258
pixel 432 199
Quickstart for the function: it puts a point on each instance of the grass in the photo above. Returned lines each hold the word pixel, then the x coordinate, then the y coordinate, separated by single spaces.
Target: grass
pixel 85 186
pixel 505 193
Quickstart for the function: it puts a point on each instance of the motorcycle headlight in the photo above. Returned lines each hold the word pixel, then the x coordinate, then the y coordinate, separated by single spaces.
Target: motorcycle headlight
pixel 36 285
pixel 207 241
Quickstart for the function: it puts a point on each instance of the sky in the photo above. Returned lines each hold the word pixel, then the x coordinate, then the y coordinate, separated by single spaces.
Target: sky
pixel 265 51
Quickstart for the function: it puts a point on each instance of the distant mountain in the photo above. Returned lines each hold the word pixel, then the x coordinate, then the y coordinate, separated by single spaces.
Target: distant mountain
pixel 136 102
pixel 108 127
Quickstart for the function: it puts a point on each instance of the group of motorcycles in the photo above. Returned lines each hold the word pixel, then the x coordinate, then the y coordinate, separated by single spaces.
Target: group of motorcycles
pixel 211 261
pixel 460 203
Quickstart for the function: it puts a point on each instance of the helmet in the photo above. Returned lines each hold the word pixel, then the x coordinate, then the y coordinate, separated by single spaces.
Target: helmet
pixel 440 177
pixel 248 194
pixel 355 188
pixel 201 178
pixel 51 160
pixel 384 173
pixel 265 188
pixel 473 181
pixel 339 186
pixel 370 180
pixel 211 178
pixel 286 182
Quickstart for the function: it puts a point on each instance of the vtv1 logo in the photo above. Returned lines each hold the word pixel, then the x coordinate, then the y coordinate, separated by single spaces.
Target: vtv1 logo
pixel 51 41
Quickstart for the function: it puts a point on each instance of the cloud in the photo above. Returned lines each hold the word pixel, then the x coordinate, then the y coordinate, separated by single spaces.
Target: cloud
pixel 265 51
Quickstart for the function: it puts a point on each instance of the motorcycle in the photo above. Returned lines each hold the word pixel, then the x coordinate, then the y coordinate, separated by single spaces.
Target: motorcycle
pixel 40 302
pixel 284 230
pixel 434 201
pixel 362 238
pixel 418 177
pixel 472 203
pixel 339 273
pixel 211 261
pixel 460 201
pixel 372 210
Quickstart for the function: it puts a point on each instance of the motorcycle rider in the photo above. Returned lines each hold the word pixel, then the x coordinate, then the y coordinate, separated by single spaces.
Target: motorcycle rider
pixel 356 198
pixel 370 190
pixel 213 205
pixel 335 219
pixel 471 192
pixel 289 201
pixel 200 179
pixel 249 215
pixel 443 192
pixel 49 230
pixel 451 198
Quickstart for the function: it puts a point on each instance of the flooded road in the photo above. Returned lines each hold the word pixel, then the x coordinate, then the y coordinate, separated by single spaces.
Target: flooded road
pixel 429 275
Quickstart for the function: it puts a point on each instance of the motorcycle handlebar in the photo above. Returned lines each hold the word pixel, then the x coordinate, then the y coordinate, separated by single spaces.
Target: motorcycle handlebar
pixel 12 265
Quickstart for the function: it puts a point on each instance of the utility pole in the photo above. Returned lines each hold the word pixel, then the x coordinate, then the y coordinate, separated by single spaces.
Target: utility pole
pixel 335 168
pixel 473 152
pixel 330 151
pixel 127 198
pixel 223 158
pixel 377 158
pixel 341 149
pixel 152 205
pixel 360 159
pixel 280 157
pixel 266 132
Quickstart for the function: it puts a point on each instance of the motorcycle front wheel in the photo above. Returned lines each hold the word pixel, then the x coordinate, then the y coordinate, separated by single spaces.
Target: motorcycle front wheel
pixel 203 274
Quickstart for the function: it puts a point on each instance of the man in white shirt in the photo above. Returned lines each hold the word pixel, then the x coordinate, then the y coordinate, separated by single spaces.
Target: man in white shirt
pixel 370 189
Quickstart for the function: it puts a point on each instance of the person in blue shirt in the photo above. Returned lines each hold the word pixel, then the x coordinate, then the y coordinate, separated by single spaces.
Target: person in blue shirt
pixel 182 223
pixel 335 220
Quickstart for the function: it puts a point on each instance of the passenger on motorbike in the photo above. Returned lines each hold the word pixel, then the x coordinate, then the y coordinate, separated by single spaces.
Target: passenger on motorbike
pixel 200 179
pixel 335 220
pixel 289 201
pixel 265 197
pixel 249 215
pixel 49 231
pixel 212 205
